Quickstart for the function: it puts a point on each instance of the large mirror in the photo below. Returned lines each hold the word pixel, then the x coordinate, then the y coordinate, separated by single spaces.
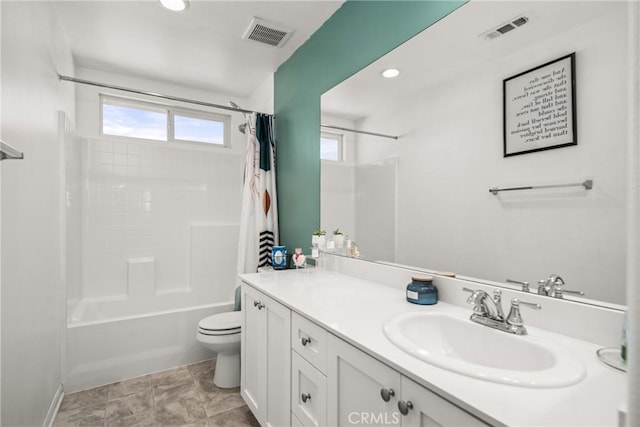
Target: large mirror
pixel 423 199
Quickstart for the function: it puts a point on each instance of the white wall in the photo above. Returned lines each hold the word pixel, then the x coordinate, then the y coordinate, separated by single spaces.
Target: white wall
pixel 450 154
pixel 33 51
pixel 261 99
pixel 160 221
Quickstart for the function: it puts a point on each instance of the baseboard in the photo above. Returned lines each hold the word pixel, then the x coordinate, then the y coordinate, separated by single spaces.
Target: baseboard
pixel 54 407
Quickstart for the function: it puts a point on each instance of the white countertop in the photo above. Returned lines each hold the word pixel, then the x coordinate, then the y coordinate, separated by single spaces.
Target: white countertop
pixel 355 310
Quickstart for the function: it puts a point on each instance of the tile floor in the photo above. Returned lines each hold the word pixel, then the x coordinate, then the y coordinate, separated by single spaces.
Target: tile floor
pixel 183 396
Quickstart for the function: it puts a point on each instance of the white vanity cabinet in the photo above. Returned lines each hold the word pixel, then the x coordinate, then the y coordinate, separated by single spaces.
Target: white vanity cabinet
pixel 266 358
pixel 362 390
pixel 314 353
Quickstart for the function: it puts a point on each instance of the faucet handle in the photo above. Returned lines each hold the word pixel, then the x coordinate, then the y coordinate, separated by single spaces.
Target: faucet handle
pixel 559 290
pixel 525 285
pixel 566 291
pixel 514 318
pixel 527 304
pixel 558 287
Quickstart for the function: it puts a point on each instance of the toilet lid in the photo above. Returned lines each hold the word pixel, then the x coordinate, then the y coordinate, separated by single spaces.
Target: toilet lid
pixel 228 322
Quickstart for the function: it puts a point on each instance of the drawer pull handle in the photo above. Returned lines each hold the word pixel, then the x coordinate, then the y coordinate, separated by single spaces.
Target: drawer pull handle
pixel 405 407
pixel 305 341
pixel 259 305
pixel 387 393
pixel 305 397
pixel 255 303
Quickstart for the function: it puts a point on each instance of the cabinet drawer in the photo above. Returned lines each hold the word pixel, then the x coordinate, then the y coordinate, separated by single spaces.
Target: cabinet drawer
pixel 308 393
pixel 310 341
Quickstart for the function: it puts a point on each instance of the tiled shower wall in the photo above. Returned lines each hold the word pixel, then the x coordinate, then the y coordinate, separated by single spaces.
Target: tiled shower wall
pixel 158 220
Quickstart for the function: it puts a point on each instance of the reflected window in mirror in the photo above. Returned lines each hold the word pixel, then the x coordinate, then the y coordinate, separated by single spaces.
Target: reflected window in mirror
pixel 331 146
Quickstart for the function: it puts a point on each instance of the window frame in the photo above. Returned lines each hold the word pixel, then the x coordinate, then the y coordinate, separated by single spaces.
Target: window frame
pixel 341 145
pixel 171 111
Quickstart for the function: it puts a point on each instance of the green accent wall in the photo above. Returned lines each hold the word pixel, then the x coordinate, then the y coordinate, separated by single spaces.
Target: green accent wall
pixel 356 35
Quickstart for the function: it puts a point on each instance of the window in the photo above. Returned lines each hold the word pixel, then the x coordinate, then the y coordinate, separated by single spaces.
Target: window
pixel 331 146
pixel 137 119
pixel 198 129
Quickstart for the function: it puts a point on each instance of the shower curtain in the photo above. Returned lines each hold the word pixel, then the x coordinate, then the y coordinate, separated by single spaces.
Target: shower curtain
pixel 259 216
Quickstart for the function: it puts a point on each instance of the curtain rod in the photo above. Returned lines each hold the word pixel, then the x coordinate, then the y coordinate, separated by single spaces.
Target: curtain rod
pixel 360 131
pixel 193 101
pixel 157 95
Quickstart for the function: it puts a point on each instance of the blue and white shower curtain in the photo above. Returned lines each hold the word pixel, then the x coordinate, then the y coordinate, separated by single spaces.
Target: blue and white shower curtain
pixel 259 217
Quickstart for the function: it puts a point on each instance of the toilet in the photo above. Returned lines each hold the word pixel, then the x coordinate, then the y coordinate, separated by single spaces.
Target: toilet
pixel 221 333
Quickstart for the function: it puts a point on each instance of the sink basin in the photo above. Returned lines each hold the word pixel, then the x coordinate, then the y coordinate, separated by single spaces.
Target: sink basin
pixel 459 345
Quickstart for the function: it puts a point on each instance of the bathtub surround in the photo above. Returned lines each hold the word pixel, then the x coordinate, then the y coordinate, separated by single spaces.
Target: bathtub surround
pixel 116 349
pixel 158 240
pixel 174 205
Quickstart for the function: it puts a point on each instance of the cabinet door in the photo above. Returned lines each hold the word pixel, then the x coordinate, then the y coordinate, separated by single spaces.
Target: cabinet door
pixel 266 358
pixel 355 385
pixel 253 346
pixel 430 410
pixel 278 363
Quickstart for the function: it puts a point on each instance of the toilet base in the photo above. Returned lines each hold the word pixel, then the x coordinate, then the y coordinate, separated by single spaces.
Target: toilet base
pixel 227 373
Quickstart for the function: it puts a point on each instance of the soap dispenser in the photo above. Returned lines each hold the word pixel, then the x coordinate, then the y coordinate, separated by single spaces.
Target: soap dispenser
pixel 422 291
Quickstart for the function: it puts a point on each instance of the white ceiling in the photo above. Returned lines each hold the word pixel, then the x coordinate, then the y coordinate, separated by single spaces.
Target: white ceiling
pixel 452 48
pixel 200 47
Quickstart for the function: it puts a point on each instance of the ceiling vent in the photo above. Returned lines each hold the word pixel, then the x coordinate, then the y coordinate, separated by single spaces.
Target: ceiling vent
pixel 266 32
pixel 505 28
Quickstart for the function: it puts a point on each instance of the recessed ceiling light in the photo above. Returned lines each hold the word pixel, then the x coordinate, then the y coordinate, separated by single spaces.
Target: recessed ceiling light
pixel 175 5
pixel 390 73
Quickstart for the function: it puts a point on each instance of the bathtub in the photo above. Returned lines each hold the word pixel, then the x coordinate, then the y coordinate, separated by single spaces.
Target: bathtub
pixel 105 344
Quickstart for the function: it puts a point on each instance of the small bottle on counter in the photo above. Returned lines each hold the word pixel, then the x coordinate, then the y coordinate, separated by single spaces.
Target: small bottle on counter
pixel 422 291
pixel 279 257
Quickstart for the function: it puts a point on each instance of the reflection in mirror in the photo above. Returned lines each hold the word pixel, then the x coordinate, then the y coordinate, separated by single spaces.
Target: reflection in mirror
pixel 424 199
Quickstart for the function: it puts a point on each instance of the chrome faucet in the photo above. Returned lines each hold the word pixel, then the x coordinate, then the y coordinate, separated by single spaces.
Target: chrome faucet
pixel 488 311
pixel 554 287
pixel 525 285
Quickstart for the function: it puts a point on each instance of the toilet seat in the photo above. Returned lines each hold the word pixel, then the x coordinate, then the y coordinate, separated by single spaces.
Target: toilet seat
pixel 221 324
